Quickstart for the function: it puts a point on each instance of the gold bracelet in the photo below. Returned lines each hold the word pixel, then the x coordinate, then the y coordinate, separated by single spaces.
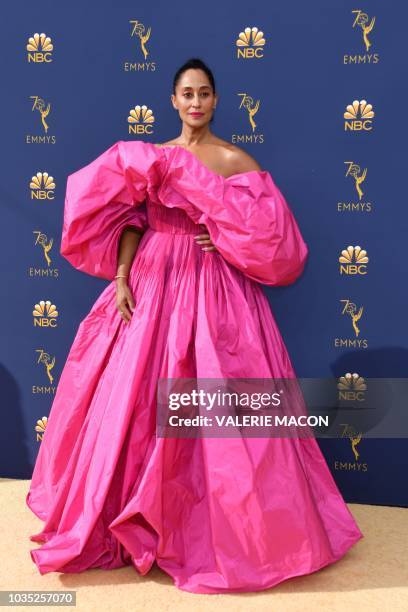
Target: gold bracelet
pixel 120 276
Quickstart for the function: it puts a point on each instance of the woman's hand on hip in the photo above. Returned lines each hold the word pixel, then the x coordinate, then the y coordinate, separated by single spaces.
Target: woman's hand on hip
pixel 204 239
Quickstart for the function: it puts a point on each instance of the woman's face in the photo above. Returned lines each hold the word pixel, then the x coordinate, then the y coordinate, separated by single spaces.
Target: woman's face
pixel 194 98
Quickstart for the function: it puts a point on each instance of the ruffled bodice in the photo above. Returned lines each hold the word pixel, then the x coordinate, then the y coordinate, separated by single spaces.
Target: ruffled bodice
pixel 170 220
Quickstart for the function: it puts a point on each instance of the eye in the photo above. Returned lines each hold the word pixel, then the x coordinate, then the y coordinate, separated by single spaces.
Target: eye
pixel 204 93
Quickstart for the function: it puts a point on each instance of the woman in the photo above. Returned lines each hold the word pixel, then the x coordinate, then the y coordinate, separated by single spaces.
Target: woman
pixel 187 232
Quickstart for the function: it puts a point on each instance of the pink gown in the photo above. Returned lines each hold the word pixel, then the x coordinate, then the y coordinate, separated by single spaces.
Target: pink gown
pixel 237 514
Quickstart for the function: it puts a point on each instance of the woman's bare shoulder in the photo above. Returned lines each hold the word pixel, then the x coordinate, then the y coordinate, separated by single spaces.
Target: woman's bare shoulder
pixel 232 158
pixel 240 160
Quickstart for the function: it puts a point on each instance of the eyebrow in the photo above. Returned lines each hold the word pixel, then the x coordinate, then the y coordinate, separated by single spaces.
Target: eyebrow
pixel 201 86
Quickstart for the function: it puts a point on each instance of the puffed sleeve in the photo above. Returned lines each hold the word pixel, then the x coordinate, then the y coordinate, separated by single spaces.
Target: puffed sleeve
pixel 247 217
pixel 103 198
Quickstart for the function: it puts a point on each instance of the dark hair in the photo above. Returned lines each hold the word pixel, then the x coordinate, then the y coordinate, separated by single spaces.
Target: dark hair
pixel 193 62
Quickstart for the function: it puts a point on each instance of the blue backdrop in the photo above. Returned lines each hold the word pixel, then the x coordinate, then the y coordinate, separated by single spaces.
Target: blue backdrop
pixel 67 97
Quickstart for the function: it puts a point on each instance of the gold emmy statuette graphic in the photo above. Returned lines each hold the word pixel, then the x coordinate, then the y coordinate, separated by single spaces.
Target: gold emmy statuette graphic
pixel 250 43
pixel 353 261
pixel 354 437
pixel 140 120
pixel 40 428
pixel 351 387
pixel 48 363
pixel 359 176
pixel 45 314
pixel 361 21
pixel 42 186
pixel 46 246
pixel 39 48
pixel 359 114
pixel 39 104
pixel 351 309
pixel 248 103
pixel 139 31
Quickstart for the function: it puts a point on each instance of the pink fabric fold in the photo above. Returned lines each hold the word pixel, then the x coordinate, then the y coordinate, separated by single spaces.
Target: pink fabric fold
pixel 247 217
pixel 103 198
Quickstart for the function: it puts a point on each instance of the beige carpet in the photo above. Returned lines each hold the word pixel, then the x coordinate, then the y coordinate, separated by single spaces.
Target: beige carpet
pixel 372 576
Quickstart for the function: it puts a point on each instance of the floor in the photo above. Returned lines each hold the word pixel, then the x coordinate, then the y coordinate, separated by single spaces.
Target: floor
pixel 373 576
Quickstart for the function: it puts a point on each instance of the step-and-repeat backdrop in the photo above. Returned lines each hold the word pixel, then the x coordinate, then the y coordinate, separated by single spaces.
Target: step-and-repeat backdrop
pixel 312 90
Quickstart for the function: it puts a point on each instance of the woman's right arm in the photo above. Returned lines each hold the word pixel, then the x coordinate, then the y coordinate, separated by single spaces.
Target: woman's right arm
pixel 128 244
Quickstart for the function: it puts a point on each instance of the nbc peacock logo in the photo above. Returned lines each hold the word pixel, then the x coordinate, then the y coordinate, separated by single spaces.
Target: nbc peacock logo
pixel 353 261
pixel 42 186
pixel 39 49
pixel 40 427
pixel 45 314
pixel 250 43
pixel 358 116
pixel 140 120
pixel 351 387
